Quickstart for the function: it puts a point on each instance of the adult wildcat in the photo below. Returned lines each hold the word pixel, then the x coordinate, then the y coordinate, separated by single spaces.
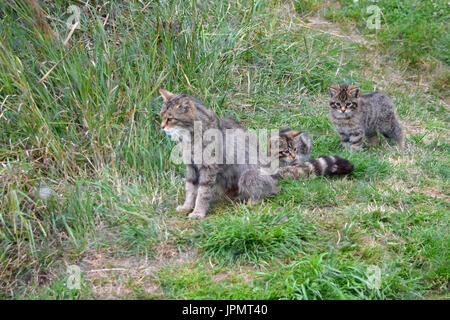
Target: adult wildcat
pixel 180 115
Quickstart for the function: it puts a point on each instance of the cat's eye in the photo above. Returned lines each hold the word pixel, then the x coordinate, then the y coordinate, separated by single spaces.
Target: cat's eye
pixel 295 149
pixel 349 104
pixel 338 104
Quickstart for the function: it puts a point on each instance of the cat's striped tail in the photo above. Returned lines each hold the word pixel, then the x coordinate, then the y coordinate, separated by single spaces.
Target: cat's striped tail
pixel 323 165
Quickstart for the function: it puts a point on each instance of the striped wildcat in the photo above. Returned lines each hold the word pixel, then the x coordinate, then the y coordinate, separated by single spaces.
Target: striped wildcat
pixel 294 148
pixel 323 165
pixel 240 181
pixel 356 116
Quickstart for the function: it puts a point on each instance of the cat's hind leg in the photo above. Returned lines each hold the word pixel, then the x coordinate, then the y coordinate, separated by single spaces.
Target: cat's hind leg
pixel 295 172
pixel 254 185
pixel 396 132
pixel 372 139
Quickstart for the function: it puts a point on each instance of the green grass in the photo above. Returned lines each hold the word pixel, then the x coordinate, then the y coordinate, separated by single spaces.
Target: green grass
pixel 325 277
pixel 412 29
pixel 86 179
pixel 415 33
pixel 253 237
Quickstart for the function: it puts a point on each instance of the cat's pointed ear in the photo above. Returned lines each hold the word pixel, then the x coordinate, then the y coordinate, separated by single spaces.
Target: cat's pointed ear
pixel 334 90
pixel 353 91
pixel 293 134
pixel 167 95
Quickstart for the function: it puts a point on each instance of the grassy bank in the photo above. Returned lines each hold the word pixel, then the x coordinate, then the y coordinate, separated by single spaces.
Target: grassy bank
pixel 412 33
pixel 86 179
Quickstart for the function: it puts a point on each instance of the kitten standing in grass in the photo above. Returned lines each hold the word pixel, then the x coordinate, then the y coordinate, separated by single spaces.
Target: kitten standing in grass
pixel 355 116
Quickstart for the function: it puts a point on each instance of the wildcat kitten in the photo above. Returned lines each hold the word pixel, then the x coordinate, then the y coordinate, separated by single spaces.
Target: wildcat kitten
pixel 300 143
pixel 355 116
pixel 291 152
pixel 241 181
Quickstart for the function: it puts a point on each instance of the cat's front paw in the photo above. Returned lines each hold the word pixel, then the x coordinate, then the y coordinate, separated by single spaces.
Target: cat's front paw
pixel 184 209
pixel 196 215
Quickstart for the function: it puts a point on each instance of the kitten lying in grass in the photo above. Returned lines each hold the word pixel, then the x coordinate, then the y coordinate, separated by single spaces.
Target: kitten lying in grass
pixel 294 149
pixel 291 145
pixel 355 116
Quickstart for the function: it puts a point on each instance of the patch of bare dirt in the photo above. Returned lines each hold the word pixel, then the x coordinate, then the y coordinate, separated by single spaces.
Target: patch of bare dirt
pixel 322 25
pixel 432 191
pixel 290 19
pixel 221 276
pixel 417 127
pixel 113 277
pixel 382 73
